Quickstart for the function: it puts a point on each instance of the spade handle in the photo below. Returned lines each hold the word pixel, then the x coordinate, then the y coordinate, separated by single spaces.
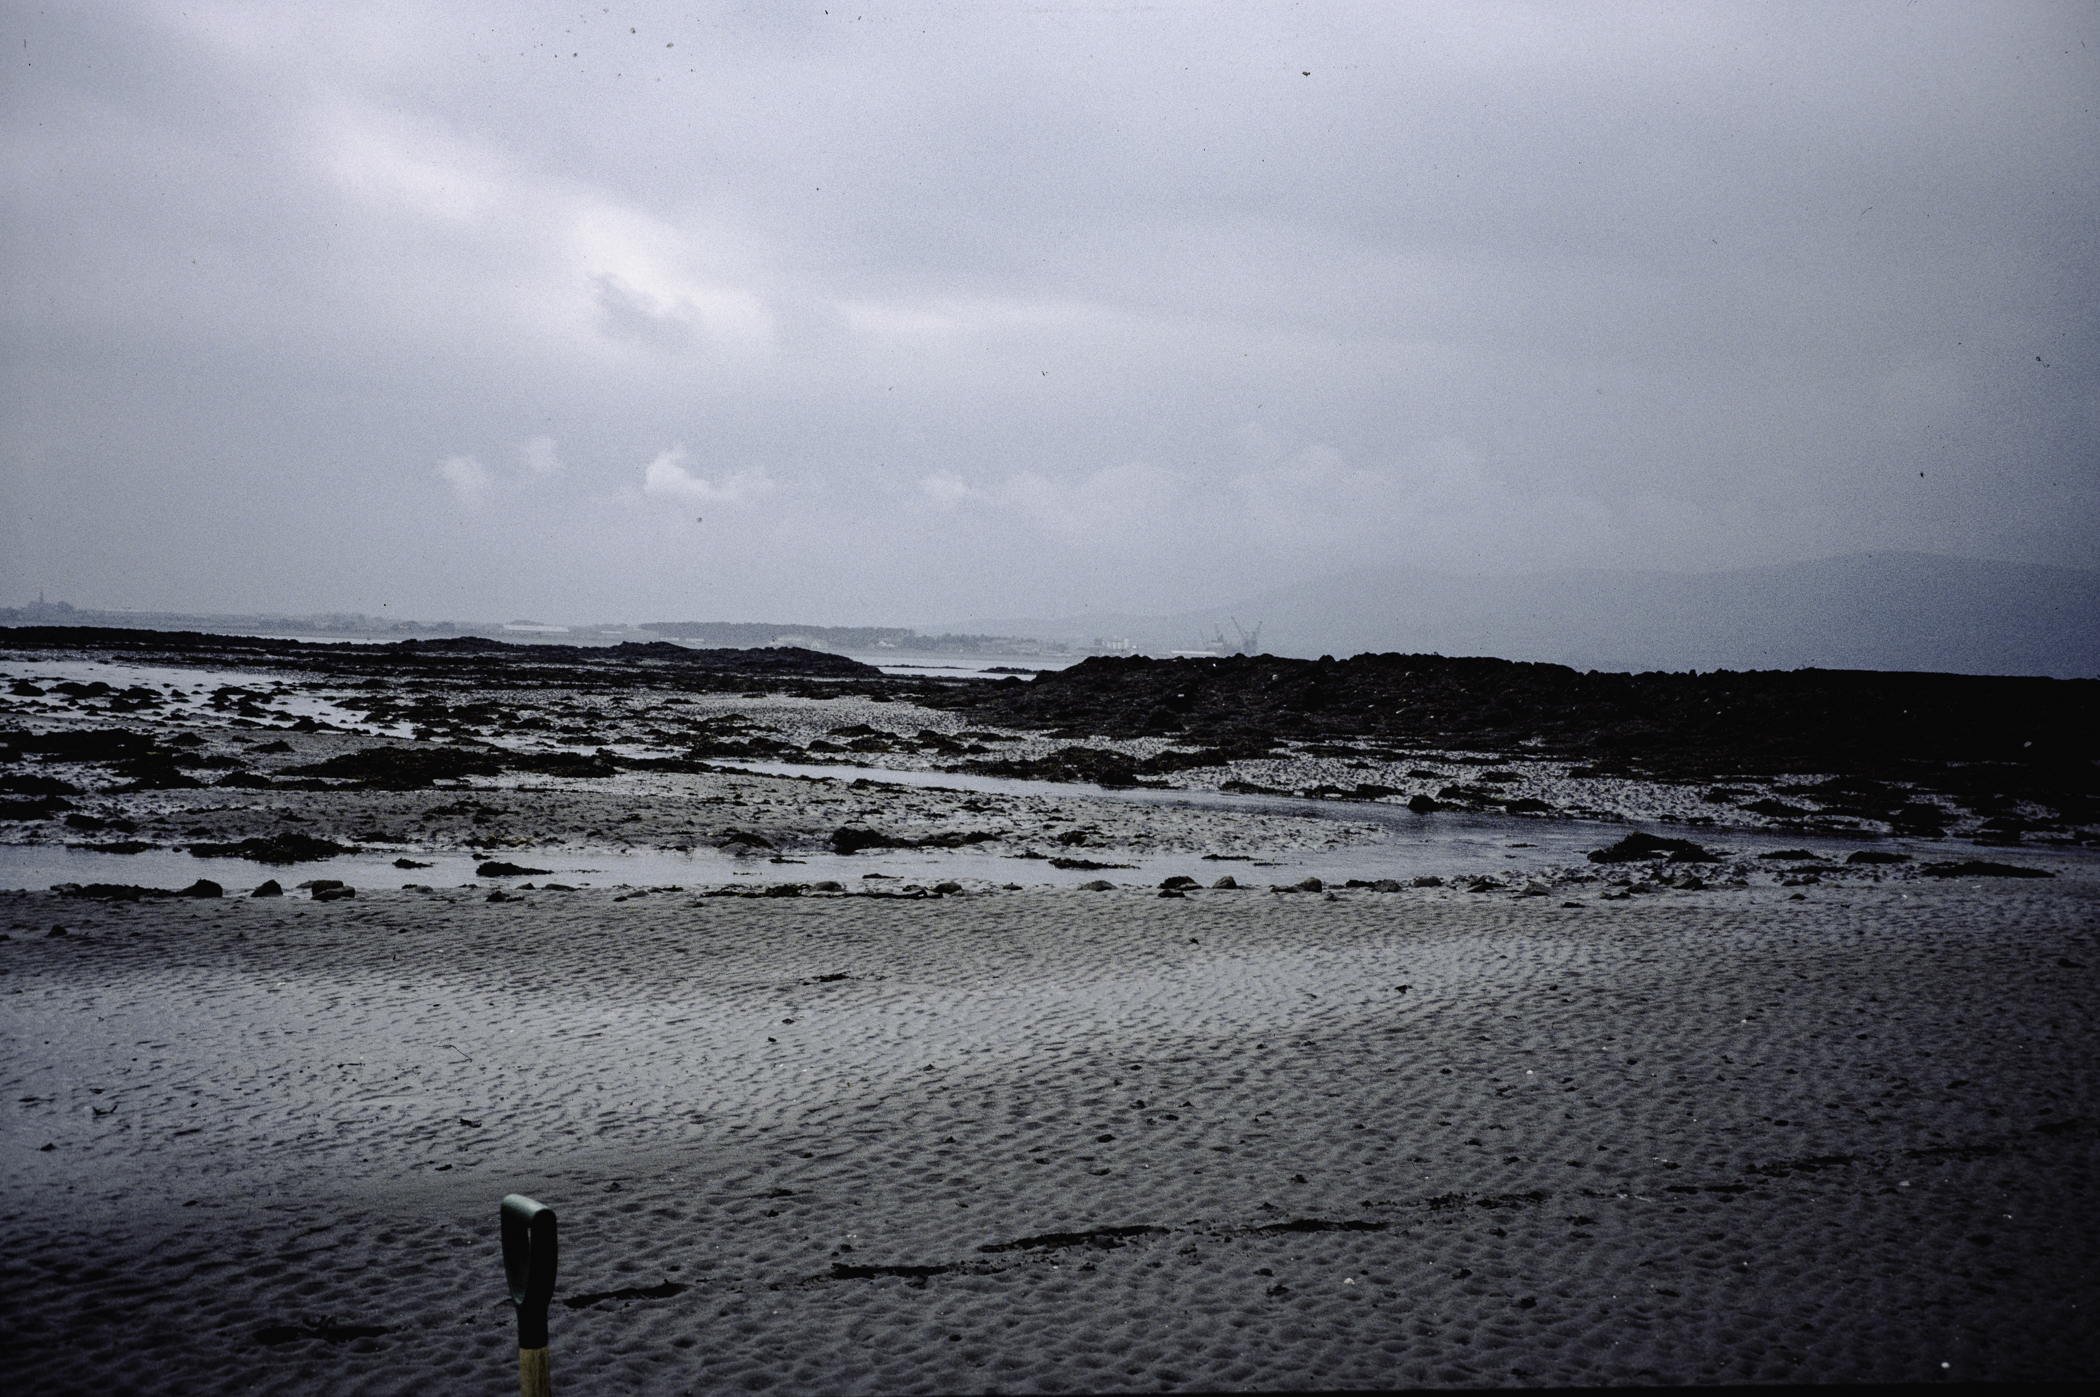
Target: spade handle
pixel 529 1256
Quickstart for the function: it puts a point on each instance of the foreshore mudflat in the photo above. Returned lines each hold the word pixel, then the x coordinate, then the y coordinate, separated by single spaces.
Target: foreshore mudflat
pixel 1056 1141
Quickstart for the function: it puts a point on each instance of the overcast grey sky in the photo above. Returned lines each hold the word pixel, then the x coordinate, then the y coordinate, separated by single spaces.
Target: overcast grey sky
pixel 886 313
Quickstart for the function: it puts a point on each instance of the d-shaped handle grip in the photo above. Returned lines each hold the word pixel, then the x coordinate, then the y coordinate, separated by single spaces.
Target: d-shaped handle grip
pixel 529 1255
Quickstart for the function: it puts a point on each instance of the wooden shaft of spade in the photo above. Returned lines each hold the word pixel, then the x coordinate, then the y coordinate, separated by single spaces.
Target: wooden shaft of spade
pixel 533 1380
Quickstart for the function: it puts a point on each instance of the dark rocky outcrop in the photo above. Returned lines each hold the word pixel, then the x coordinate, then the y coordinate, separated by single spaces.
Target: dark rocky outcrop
pixel 847 840
pixel 1982 868
pixel 1639 847
pixel 127 892
pixel 289 847
pixel 403 768
pixel 1981 741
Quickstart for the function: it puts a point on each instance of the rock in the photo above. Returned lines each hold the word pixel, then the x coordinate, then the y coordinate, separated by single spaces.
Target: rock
pixel 1429 880
pixel 1099 885
pixel 42 808
pixel 272 888
pixel 1172 892
pixel 1982 868
pixel 334 894
pixel 852 841
pixel 1775 809
pixel 290 847
pixel 1180 881
pixel 39 785
pixel 493 870
pixel 409 863
pixel 127 892
pixel 946 888
pixel 1919 817
pixel 402 768
pixel 1422 805
pixel 1525 805
pixel 784 890
pixel 829 885
pixel 1228 881
pixel 1641 846
pixel 744 839
pixel 1309 885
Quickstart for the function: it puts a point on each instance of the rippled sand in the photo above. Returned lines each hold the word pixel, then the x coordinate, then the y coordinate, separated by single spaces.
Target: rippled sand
pixel 1055 1141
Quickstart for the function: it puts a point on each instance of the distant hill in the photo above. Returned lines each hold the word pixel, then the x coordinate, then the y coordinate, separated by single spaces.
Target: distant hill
pixel 1881 611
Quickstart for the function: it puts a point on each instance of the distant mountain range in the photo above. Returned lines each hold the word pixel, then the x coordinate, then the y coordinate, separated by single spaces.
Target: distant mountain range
pixel 1883 611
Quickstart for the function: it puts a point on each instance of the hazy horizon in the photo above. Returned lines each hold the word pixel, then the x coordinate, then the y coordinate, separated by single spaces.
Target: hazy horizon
pixel 1892 611
pixel 919 311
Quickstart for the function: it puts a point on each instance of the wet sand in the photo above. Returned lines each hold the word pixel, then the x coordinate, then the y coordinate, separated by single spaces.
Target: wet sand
pixel 866 1145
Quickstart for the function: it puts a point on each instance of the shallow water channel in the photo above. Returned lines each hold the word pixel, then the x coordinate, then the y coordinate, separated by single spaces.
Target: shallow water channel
pixel 1445 844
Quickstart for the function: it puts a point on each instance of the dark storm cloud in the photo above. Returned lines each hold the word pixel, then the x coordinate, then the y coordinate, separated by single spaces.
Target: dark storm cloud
pixel 913 312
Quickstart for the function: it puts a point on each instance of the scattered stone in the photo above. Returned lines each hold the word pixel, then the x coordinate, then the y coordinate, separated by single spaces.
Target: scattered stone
pixel 272 888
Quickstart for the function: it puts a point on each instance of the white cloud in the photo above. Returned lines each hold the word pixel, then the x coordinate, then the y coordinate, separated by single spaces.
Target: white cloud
pixel 470 479
pixel 946 489
pixel 541 458
pixel 417 172
pixel 667 478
